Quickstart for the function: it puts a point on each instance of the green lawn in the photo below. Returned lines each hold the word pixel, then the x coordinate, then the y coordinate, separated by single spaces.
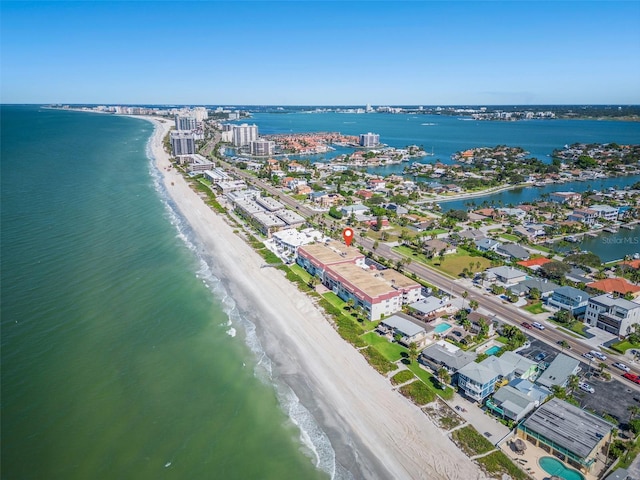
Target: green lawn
pixel 510 237
pixel 576 330
pixel 431 381
pixel 535 308
pixel 334 300
pixel 623 346
pixel 402 377
pixel 301 272
pixel 391 351
pixel 471 442
pixel 498 463
pixel 418 392
pixel 452 264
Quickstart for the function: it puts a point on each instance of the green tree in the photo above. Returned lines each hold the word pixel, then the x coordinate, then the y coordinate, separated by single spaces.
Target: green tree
pixel 534 293
pixel 473 304
pixel 563 344
pixel 413 352
pixel 464 296
pixel 444 377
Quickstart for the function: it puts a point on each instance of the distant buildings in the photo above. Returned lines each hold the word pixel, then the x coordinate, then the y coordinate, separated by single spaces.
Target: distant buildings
pixel 185 123
pixel 262 148
pixel 244 134
pixel 369 139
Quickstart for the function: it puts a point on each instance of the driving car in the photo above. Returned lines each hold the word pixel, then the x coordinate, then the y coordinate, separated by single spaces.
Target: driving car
pixel 537 325
pixel 588 355
pixel 622 366
pixel 634 378
pixel 526 325
pixel 598 355
pixel 586 387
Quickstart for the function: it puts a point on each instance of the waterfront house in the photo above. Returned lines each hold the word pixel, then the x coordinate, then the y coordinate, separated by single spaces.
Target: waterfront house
pixel 584 215
pixel 568 432
pixel 447 355
pixel 570 299
pixel 534 263
pixel 476 381
pixel 615 285
pixel 613 315
pixel 511 403
pixel 559 371
pixel 606 212
pixel 510 366
pixel 571 199
pixel 400 327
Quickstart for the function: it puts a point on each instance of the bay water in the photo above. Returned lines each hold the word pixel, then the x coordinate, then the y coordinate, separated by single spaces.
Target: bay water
pixel 122 354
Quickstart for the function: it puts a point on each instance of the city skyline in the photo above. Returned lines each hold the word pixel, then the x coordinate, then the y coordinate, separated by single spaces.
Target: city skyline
pixel 321 53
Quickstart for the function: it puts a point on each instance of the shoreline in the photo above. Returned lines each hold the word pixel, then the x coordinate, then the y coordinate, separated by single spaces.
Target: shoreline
pixel 374 431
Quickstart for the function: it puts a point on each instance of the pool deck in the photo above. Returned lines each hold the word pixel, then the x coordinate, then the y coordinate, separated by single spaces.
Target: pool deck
pixel 528 461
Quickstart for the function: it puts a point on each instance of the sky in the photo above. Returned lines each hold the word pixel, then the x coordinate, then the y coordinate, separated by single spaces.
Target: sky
pixel 321 53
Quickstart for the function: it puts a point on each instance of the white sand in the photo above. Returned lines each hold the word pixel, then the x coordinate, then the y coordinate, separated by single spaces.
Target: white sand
pixel 375 432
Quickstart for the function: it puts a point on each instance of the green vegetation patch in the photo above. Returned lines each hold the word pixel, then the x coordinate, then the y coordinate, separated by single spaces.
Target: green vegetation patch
pixel 471 442
pixel 430 381
pixel 335 300
pixel 300 272
pixel 535 308
pixel 510 237
pixel 623 346
pixel 498 463
pixel 418 392
pixel 377 360
pixel 402 377
pixel 391 351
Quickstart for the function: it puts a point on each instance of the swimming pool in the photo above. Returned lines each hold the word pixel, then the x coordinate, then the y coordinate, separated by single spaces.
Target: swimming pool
pixel 555 467
pixel 443 327
pixel 493 350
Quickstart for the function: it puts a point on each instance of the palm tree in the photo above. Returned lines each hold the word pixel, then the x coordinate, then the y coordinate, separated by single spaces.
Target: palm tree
pixel 564 344
pixel 444 377
pixel 350 304
pixel 573 383
pixel 413 351
pixel 464 295
pixel 473 304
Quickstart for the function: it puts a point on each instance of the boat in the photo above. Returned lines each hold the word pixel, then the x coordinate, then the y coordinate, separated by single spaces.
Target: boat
pixel 572 239
pixel 610 229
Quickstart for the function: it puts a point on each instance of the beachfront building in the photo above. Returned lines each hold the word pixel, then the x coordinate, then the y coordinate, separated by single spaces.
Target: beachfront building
pixel 515 400
pixel 369 139
pixel 244 134
pixel 262 147
pixel 567 432
pixel 613 315
pixel 559 371
pixel 477 381
pixel 343 270
pixel 404 330
pixel 185 123
pixel 182 143
pixel 429 308
pixel 510 366
pixel 286 242
pixel 447 355
pixel 570 299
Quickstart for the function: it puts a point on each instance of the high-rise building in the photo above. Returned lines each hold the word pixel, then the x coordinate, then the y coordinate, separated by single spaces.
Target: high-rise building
pixel 262 147
pixel 184 123
pixel 244 134
pixel 369 139
pixel 182 143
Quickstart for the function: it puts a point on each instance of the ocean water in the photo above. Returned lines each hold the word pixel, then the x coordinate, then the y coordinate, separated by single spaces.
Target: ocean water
pixel 122 354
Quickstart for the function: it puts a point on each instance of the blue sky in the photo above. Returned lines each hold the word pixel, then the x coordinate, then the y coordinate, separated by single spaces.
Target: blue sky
pixel 321 53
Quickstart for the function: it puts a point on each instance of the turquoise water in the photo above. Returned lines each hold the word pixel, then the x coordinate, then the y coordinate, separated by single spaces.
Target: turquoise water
pixel 443 327
pixel 119 358
pixel 493 350
pixel 555 467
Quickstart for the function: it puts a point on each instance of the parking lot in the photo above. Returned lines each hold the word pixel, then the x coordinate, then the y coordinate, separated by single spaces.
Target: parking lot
pixel 610 397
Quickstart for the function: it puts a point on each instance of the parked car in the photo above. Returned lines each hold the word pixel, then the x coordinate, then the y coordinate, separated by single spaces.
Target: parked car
pixel 526 325
pixel 586 387
pixel 537 325
pixel 541 356
pixel 598 355
pixel 622 366
pixel 588 356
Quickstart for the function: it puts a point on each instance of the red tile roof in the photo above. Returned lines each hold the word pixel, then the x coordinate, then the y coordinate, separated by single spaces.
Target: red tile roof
pixel 617 285
pixel 534 261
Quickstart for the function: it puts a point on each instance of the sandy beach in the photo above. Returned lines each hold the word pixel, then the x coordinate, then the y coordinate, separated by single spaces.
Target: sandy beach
pixel 375 431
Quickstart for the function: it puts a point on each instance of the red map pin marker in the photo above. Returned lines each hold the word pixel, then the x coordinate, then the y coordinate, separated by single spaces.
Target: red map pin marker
pixel 347 234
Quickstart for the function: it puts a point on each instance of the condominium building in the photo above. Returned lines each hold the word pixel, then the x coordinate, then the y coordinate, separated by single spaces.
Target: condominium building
pixel 182 143
pixel 613 315
pixel 369 139
pixel 244 134
pixel 184 123
pixel 262 148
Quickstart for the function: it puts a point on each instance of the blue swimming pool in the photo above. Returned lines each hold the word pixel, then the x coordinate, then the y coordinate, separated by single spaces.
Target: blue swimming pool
pixel 443 327
pixel 555 467
pixel 493 350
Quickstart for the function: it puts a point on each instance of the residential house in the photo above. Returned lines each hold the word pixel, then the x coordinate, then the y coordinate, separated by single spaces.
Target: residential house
pixel 510 366
pixel 617 285
pixel 606 212
pixel 428 308
pixel 519 214
pixel 570 199
pixel 577 275
pixel 506 275
pixel 511 403
pixel 570 299
pixel 513 251
pixel 559 371
pixel 570 433
pixel 435 246
pixel 584 215
pixel 545 287
pixel 534 263
pixel 613 315
pixel 487 244
pixel 475 319
pixel 471 235
pixel 358 210
pixel 477 381
pixel 447 355
pixel 400 326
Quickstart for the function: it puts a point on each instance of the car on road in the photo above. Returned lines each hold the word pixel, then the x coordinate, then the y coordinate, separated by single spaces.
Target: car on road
pixel 622 366
pixel 634 378
pixel 537 325
pixel 586 387
pixel 526 325
pixel 588 356
pixel 562 343
pixel 598 355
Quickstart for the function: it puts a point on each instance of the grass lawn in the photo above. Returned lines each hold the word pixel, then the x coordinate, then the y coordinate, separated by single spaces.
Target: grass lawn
pixel 510 237
pixel 301 272
pixel 431 381
pixel 535 308
pixel 402 377
pixel 498 463
pixel 471 442
pixel 334 300
pixel 391 351
pixel 623 346
pixel 452 264
pixel 541 248
pixel 576 330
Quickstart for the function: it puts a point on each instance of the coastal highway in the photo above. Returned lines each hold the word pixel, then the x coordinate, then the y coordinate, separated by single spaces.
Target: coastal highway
pixel 498 307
